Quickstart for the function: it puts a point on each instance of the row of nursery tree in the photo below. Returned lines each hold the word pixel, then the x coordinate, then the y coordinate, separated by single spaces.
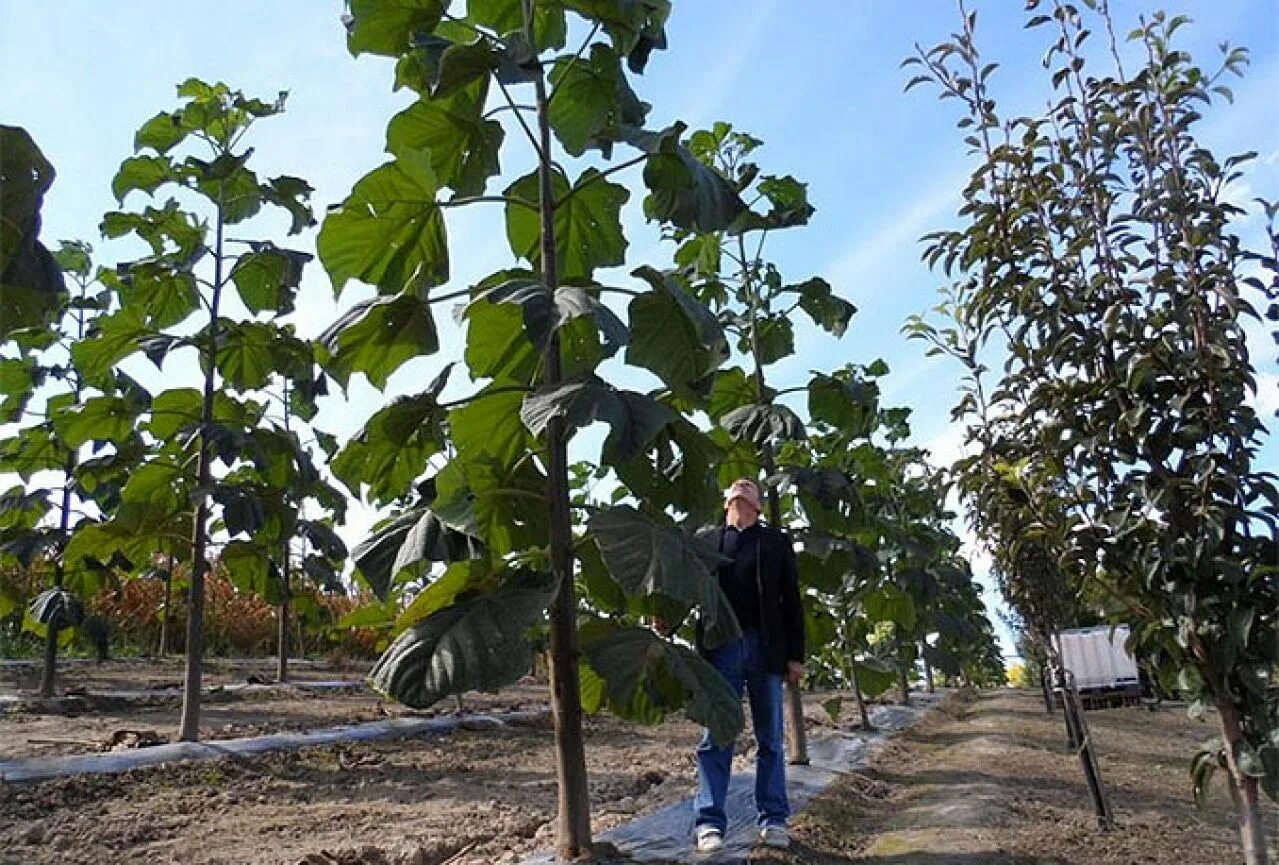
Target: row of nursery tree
pixel 494 545
pixel 1102 280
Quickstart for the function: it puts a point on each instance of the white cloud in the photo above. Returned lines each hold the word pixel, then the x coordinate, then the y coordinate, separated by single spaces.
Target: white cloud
pixel 895 240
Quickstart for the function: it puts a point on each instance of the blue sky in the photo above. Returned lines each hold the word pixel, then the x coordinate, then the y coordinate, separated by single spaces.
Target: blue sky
pixel 817 80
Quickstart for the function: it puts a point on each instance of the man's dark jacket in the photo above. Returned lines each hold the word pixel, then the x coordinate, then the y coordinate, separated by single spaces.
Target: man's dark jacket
pixel 768 556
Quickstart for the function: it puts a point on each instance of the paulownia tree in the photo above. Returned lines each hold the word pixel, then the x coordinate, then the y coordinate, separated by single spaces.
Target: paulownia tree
pixel 57 412
pixel 729 272
pixel 480 486
pixel 212 462
pixel 1099 256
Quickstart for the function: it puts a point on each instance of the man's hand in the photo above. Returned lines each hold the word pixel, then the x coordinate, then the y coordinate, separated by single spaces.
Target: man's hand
pixel 794 672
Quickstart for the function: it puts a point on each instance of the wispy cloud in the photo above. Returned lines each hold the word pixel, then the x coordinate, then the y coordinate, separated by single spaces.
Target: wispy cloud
pixel 707 96
pixel 896 239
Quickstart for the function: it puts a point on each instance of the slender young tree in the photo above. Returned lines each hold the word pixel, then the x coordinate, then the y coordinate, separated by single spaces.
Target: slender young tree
pixel 480 485
pixel 174 304
pixel 75 411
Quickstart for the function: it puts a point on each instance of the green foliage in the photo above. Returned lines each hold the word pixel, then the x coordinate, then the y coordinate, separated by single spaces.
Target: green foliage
pixel 475 643
pixel 640 676
pixel 1116 449
pixel 32 289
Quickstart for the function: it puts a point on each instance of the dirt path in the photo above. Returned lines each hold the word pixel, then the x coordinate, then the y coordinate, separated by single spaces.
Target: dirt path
pixel 987 781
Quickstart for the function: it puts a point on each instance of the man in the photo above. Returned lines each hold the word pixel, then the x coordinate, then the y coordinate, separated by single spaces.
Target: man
pixel 761 582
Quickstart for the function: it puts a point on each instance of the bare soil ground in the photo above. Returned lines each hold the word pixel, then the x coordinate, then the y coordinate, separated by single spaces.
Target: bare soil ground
pixel 82 725
pixel 987 780
pixel 474 797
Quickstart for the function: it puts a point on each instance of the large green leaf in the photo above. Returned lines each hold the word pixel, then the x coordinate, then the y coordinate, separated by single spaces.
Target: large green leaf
pixel 389 27
pixel 389 232
pixel 505 506
pixel 470 576
pixel 648 557
pixel 463 145
pixel 676 471
pixel 633 419
pixel 145 173
pixel 763 424
pixel 890 604
pixel 489 427
pixel 251 352
pixel 588 226
pixel 111 339
pixel 267 277
pixel 592 102
pixel 390 452
pixel 732 389
pixel 673 334
pixel 18 378
pixel 409 539
pixel 550 31
pixel 546 312
pixel 478 643
pixel 642 677
pixel 99 418
pixel 251 570
pixel 849 405
pixel 827 310
pixel 32 289
pixel 498 345
pixel 377 336
pixel 161 133
pixel 682 190
pixel 637 27
pixel 875 676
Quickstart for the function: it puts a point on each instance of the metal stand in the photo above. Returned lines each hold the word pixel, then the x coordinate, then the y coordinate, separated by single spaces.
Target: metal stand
pixel 1081 743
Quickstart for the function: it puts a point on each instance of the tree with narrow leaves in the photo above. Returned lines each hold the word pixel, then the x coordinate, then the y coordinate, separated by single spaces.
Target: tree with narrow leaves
pixel 1099 258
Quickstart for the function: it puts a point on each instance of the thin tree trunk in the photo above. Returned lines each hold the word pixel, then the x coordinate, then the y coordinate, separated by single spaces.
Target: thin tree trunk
pixel 167 608
pixel 282 630
pixel 189 725
pixel 48 673
pixel 928 674
pixel 574 836
pixel 793 714
pixel 903 679
pixel 1252 830
pixel 861 700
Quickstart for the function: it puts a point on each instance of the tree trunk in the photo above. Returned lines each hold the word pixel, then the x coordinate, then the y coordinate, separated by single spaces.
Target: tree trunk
pixel 928 674
pixel 49 672
pixel 574 823
pixel 189 725
pixel 193 679
pixel 167 609
pixel 282 631
pixel 1252 830
pixel 861 700
pixel 903 678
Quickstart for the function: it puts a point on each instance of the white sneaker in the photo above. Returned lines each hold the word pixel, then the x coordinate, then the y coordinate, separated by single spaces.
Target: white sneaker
pixel 709 839
pixel 774 836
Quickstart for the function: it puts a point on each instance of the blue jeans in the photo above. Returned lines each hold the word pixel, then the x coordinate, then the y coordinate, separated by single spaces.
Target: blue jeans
pixel 742 664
